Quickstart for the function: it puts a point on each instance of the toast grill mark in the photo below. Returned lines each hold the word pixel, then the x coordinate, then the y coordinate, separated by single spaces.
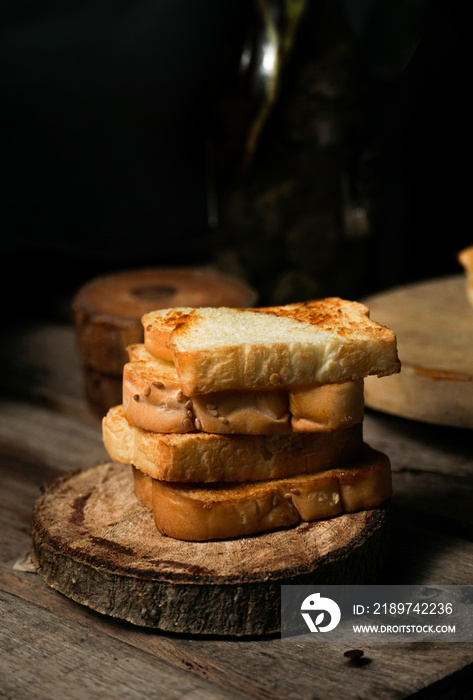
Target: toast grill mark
pixel 331 317
pixel 176 319
pixel 173 319
pixel 306 313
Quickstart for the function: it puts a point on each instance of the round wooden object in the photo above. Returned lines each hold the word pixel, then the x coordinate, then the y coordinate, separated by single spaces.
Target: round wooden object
pixel 433 322
pixel 108 310
pixel 95 543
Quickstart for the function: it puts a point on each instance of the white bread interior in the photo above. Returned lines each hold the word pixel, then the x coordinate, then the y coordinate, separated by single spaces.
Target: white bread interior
pixel 324 341
pixel 197 512
pixel 208 457
pixel 153 400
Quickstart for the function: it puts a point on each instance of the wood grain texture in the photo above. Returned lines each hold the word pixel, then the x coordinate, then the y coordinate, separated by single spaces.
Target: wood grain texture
pixel 434 326
pixel 70 661
pixel 254 668
pixel 94 542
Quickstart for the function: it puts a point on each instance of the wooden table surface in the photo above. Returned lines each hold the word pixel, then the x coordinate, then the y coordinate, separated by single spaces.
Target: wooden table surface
pixel 52 647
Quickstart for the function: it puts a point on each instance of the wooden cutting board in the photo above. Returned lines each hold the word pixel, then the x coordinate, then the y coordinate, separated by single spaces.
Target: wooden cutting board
pixel 433 322
pixel 95 543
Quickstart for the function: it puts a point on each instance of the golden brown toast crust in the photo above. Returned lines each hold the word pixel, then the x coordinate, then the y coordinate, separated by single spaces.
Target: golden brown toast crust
pixel 465 258
pixel 205 512
pixel 331 314
pixel 209 457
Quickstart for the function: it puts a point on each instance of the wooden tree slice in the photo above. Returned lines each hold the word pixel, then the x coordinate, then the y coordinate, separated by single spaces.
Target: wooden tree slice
pixel 108 311
pixel 433 322
pixel 95 543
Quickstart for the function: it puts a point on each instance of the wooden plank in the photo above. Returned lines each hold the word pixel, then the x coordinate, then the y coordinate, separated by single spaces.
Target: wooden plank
pixel 43 366
pixel 36 445
pixel 44 655
pixel 39 435
pixel 441 502
pixel 420 446
pixel 419 554
pixel 432 470
pixel 268 668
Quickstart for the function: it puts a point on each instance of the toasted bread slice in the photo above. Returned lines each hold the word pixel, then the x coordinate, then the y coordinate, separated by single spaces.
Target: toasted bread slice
pixel 207 457
pixel 465 258
pixel 324 341
pixel 153 400
pixel 158 326
pixel 220 511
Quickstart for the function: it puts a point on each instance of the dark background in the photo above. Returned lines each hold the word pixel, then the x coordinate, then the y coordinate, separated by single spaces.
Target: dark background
pixel 108 136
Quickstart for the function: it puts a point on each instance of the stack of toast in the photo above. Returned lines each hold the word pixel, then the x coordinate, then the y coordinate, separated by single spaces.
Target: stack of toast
pixel 239 421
